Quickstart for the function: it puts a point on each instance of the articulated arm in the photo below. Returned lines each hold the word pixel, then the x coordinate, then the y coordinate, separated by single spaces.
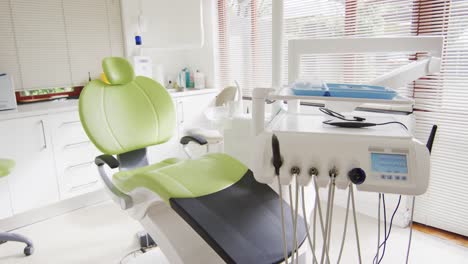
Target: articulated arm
pixel 124 200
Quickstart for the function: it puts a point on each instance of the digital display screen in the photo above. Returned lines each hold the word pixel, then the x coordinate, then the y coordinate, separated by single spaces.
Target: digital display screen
pixel 389 163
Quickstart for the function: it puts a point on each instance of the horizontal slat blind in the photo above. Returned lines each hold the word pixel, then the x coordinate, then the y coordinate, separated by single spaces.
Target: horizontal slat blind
pixel 114 20
pixel 443 100
pixel 245 43
pixel 56 43
pixel 39 27
pixel 315 19
pixel 92 33
pixel 9 62
pixel 353 19
pixel 245 38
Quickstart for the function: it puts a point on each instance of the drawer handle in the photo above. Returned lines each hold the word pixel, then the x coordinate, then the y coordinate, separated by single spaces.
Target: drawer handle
pixel 43 135
pixel 84 164
pixel 83 186
pixel 69 123
pixel 75 145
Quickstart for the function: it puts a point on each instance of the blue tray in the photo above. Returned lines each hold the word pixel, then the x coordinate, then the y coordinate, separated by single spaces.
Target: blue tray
pixel 347 91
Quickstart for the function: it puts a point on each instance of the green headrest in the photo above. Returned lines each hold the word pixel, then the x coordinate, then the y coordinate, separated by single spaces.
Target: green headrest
pixel 123 117
pixel 118 70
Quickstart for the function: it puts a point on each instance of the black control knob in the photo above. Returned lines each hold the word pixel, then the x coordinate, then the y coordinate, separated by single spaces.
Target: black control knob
pixel 357 176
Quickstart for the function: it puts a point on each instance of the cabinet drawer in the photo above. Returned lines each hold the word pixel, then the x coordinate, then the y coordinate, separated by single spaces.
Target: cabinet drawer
pixel 76 169
pixel 74 156
pixel 79 179
pixel 67 129
pixel 69 133
pixel 77 154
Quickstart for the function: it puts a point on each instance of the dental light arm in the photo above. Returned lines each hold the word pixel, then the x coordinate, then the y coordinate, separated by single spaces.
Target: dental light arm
pixel 408 73
pixel 299 47
pixel 123 199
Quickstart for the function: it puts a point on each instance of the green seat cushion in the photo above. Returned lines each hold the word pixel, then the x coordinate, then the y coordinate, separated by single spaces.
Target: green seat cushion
pixel 183 179
pixel 6 166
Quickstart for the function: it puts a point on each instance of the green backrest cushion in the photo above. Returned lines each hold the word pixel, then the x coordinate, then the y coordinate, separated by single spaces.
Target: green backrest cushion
pixel 6 166
pixel 126 116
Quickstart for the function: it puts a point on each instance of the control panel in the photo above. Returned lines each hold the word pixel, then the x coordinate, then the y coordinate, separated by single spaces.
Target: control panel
pixel 374 160
pixel 389 166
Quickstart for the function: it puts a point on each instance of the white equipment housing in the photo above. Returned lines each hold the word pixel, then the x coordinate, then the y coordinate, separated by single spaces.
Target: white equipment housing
pixel 392 159
pixel 143 66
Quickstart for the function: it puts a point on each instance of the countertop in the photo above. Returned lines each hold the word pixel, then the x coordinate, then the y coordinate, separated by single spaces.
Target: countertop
pixel 59 106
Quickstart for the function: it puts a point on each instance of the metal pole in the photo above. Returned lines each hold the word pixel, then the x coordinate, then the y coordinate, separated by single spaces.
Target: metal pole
pixel 277 47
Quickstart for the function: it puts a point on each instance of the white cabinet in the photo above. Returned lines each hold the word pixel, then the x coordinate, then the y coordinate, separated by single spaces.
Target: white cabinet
pixel 74 156
pixel 32 183
pixel 189 113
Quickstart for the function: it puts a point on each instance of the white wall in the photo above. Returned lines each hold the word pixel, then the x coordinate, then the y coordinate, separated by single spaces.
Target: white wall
pixel 203 59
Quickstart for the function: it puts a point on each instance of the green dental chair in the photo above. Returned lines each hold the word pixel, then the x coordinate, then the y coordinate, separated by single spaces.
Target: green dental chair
pixel 5 168
pixel 205 210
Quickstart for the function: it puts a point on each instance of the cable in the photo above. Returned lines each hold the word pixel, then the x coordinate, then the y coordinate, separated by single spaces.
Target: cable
pixel 393 122
pixel 385 228
pixel 134 252
pixel 411 230
pixel 328 224
pixel 354 124
pixel 324 246
pixel 141 250
pixel 283 227
pixel 296 248
pixel 319 207
pixel 291 206
pixel 315 222
pixel 294 214
pixel 306 225
pixel 331 214
pixel 345 226
pixel 390 225
pixel 355 224
pixel 339 116
pixel 378 226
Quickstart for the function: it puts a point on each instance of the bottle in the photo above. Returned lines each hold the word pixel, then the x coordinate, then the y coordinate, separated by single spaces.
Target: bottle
pixel 199 80
pixel 187 78
pixel 181 82
pixel 169 85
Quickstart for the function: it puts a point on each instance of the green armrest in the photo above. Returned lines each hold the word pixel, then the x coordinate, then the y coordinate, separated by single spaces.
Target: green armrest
pixel 6 166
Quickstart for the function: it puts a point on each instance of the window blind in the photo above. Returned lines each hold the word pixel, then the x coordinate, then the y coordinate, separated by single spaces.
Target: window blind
pixel 440 99
pixel 341 18
pixel 245 43
pixel 57 43
pixel 245 38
